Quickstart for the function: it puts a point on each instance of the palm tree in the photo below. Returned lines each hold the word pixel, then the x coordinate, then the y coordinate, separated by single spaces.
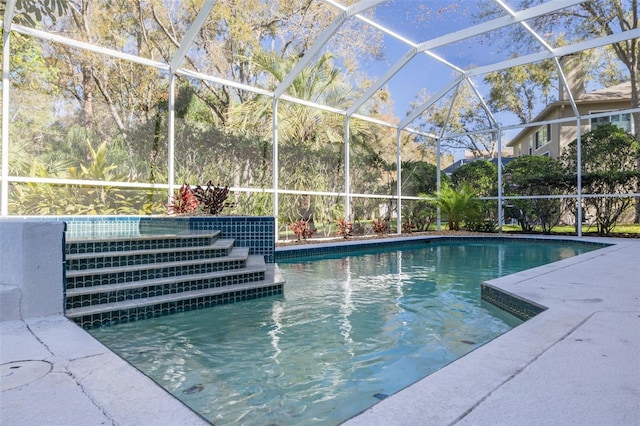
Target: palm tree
pixel 458 206
pixel 311 141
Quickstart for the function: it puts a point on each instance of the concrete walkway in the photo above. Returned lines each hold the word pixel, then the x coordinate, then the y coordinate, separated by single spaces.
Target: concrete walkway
pixel 54 373
pixel 577 363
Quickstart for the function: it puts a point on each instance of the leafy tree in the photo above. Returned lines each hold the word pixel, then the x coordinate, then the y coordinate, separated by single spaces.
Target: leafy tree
pixel 30 12
pixel 609 166
pixel 609 17
pixel 311 141
pixel 519 90
pixel 481 175
pixel 52 199
pixel 531 176
pixel 466 116
pixel 237 31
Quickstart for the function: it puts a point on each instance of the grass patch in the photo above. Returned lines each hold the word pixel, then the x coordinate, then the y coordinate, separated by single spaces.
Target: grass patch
pixel 624 230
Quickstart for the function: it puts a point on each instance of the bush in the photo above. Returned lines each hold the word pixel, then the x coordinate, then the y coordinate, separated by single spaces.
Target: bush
pixel 302 229
pixel 185 202
pixel 534 175
pixel 344 228
pixel 380 226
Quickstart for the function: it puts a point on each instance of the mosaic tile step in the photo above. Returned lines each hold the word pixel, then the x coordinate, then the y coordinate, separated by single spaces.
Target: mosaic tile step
pixel 85 261
pixel 141 242
pixel 104 294
pixel 129 310
pixel 236 259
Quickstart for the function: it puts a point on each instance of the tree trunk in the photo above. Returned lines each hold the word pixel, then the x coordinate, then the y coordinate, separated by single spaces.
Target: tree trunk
pixel 87 96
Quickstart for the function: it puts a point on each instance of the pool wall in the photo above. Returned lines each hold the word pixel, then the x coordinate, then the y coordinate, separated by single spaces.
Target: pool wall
pixel 351 246
pixel 31 269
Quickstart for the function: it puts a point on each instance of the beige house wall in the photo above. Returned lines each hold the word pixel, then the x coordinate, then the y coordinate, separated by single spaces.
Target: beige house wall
pixel 561 133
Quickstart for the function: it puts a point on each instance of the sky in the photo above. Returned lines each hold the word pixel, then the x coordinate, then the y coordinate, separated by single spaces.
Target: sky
pixel 419 21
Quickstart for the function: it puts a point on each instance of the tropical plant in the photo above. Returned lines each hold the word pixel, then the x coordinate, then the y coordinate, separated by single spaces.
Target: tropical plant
pixel 185 202
pixel 344 228
pixel 212 199
pixel 457 205
pixel 407 227
pixel 380 226
pixel 302 229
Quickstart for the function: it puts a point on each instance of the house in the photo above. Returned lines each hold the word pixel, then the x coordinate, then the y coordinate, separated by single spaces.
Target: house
pixel 549 139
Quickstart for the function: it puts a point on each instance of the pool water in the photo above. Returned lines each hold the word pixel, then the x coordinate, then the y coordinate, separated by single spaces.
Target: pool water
pixel 346 333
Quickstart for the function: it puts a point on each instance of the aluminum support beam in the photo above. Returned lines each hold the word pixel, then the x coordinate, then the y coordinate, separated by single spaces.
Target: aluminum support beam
pixel 8 15
pixel 6 50
pixel 347 171
pixel 187 40
pixel 457 36
pixel 399 182
pixel 500 207
pixel 171 168
pixel 579 176
pixel 560 51
pixel 275 176
pixel 89 47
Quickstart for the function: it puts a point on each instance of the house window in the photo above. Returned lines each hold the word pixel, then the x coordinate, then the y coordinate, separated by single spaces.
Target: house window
pixel 622 121
pixel 542 136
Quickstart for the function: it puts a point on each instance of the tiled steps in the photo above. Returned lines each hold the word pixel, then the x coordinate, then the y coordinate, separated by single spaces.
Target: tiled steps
pixel 84 261
pixel 142 242
pixel 236 259
pixel 118 279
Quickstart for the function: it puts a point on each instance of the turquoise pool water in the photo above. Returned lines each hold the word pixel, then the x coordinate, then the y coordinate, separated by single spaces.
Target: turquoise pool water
pixel 346 333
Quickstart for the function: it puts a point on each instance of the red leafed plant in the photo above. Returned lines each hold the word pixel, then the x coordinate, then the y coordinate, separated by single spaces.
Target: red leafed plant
pixel 185 202
pixel 302 229
pixel 344 228
pixel 212 198
pixel 408 227
pixel 379 226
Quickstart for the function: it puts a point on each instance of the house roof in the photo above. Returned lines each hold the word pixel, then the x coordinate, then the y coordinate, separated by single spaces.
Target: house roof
pixel 455 166
pixel 617 92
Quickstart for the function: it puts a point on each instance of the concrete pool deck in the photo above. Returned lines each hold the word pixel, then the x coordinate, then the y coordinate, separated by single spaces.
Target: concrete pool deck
pixel 577 363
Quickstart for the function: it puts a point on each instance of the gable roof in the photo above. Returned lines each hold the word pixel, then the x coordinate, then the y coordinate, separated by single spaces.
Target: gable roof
pixel 617 92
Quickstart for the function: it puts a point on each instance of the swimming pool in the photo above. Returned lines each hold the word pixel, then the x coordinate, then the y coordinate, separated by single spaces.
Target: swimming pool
pixel 347 332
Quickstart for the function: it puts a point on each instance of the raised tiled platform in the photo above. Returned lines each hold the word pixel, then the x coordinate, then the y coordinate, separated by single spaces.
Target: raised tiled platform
pixel 255 232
